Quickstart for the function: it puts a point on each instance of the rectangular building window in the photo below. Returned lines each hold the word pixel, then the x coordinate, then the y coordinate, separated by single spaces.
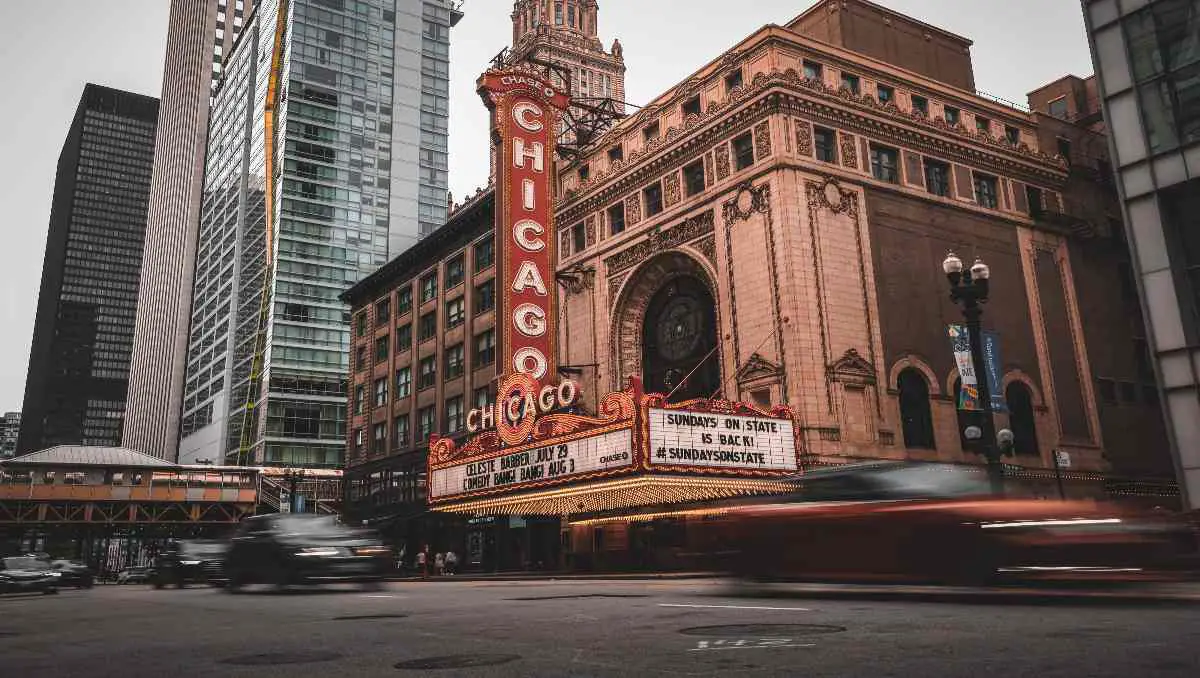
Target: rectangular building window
pixel 428 329
pixel 379 439
pixel 360 399
pixel 427 374
pixel 404 301
pixel 983 125
pixel 455 364
pixel 400 440
pixel 454 272
pixel 652 195
pixel 1064 148
pixel 456 312
pixel 383 311
pixel 425 423
pixel 885 93
pixel 691 106
pixel 693 178
pixel 825 144
pixel 650 131
pixel 883 164
pixel 1036 206
pixel 616 218
pixel 360 359
pixel 381 389
pixel 850 82
pixel 585 171
pixel 743 151
pixel 616 153
pixel 485 254
pixel 381 349
pixel 485 296
pixel 360 324
pixel 920 104
pixel 485 348
pixel 429 287
pixel 1058 108
pixel 403 337
pixel 985 191
pixel 454 414
pixel 403 382
pixel 813 70
pixel 1012 134
pixel 578 238
pixel 952 116
pixel 937 177
pixel 482 397
pixel 733 80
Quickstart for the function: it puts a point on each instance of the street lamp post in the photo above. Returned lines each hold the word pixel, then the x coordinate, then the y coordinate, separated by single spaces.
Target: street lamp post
pixel 969 289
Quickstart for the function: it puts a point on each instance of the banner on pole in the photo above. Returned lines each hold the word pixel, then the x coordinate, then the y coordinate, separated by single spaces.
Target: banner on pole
pixel 968 394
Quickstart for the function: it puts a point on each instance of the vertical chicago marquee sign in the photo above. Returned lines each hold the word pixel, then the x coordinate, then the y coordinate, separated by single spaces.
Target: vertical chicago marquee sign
pixel 525 115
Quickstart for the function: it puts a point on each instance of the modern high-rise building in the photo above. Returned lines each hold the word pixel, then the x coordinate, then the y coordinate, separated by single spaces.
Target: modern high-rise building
pixel 10 428
pixel 326 157
pixel 1147 57
pixel 83 332
pixel 199 35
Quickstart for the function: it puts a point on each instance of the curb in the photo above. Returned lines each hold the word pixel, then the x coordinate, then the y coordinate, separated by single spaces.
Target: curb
pixel 565 576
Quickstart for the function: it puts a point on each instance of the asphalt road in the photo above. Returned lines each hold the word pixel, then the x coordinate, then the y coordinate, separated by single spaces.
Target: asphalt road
pixel 590 628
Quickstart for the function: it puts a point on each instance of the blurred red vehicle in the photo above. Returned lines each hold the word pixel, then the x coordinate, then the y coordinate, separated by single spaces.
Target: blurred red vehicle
pixel 938 523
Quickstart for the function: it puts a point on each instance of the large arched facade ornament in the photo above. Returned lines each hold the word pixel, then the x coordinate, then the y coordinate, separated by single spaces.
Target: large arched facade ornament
pixel 909 360
pixel 1019 375
pixel 629 309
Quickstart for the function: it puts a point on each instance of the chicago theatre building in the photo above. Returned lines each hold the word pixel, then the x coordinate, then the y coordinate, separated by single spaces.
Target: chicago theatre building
pixel 761 246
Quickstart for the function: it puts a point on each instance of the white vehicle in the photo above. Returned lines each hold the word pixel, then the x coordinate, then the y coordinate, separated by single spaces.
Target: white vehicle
pixel 134 575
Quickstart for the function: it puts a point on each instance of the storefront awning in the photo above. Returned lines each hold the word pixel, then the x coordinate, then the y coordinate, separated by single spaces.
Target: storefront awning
pixel 609 495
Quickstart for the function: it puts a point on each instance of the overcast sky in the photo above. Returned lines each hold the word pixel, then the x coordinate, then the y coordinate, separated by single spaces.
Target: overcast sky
pixel 51 52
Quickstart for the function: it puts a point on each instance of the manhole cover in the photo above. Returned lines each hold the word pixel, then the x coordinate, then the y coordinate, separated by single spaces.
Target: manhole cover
pixel 584 595
pixel 357 617
pixel 457 661
pixel 275 658
pixel 764 630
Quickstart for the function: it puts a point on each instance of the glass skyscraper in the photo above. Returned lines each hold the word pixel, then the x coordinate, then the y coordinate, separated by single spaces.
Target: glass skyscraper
pixel 83 332
pixel 326 157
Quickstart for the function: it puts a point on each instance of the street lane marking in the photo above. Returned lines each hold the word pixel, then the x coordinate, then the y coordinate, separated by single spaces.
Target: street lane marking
pixel 747 647
pixel 380 596
pixel 735 607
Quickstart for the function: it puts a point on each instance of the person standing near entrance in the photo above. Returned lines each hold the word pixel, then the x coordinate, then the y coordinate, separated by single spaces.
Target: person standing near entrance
pixel 439 563
pixel 423 562
pixel 451 562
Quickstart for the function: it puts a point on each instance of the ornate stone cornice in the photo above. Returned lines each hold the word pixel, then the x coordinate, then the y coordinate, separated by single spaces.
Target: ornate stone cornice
pixel 788 92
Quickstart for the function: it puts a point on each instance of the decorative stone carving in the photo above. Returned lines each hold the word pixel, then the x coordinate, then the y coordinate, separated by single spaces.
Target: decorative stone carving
pixel 722 154
pixel 614 287
pixel 709 175
pixel 830 196
pixel 852 369
pixel 564 244
pixel 708 247
pixel 633 210
pixel 758 369
pixel 689 229
pixel 849 151
pixel 762 140
pixel 671 192
pixel 749 200
pixel 804 140
pixel 589 227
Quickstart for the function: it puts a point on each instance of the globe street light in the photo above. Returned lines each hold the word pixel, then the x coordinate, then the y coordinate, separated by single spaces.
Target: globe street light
pixel 969 288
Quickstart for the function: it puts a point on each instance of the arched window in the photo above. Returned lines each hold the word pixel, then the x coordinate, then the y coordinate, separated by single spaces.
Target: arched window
pixel 915 418
pixel 1020 418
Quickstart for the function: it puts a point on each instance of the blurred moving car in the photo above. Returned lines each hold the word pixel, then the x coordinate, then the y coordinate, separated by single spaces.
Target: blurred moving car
pixel 23 574
pixel 297 548
pixel 938 523
pixel 134 575
pixel 74 573
pixel 190 562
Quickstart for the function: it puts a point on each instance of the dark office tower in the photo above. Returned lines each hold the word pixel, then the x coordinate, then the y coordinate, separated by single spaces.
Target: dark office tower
pixel 200 37
pixel 83 332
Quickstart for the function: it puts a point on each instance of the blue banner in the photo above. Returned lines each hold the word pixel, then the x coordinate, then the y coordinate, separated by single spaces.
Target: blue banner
pixel 995 379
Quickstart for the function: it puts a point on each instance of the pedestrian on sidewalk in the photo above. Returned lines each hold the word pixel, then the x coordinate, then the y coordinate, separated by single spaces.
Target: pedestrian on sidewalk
pixel 423 562
pixel 439 563
pixel 451 562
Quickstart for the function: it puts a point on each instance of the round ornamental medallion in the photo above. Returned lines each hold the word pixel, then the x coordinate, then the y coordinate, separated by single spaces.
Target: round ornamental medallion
pixel 679 328
pixel 833 195
pixel 745 202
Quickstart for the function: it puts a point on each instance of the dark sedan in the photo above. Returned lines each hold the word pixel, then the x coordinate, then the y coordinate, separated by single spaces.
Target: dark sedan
pixel 74 574
pixel 27 575
pixel 286 549
pixel 190 562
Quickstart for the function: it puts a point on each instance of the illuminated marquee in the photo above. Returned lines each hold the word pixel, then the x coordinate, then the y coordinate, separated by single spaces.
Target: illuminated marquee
pixel 525 114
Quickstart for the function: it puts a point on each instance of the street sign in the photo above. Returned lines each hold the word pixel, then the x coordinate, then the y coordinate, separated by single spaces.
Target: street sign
pixel 1062 459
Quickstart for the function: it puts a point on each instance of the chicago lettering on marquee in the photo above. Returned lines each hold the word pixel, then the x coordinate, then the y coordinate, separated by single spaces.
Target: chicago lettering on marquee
pixel 525 114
